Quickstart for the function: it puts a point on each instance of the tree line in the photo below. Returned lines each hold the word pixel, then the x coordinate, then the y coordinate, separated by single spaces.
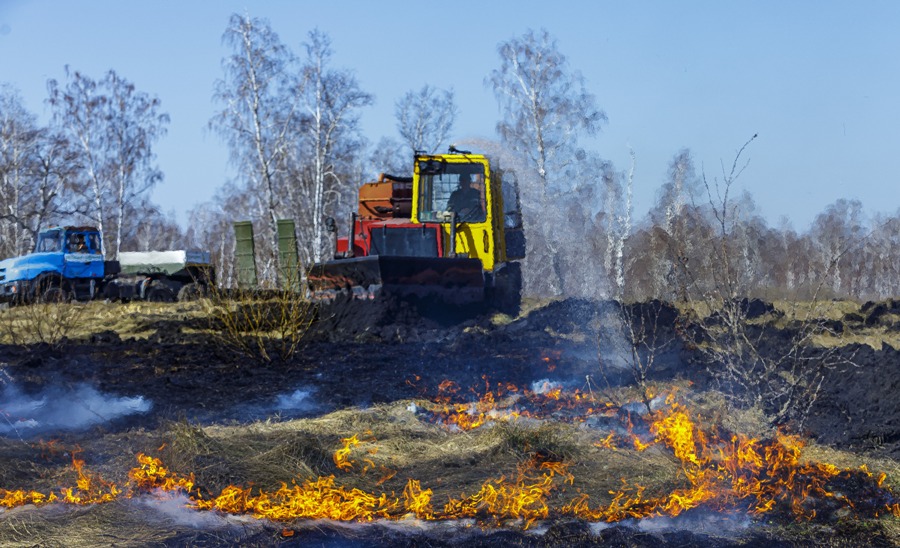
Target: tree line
pixel 92 164
pixel 290 120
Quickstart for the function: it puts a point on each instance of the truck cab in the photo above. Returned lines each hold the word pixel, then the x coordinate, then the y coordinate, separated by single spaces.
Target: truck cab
pixel 67 261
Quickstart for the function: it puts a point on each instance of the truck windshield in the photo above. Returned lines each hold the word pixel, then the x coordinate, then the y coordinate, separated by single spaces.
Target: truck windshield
pixel 457 187
pixel 48 243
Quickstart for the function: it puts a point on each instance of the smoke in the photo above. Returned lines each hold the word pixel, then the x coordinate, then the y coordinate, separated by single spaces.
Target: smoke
pixel 62 408
pixel 175 509
pixel 406 532
pixel 544 386
pixel 5 379
pixel 697 521
pixel 298 401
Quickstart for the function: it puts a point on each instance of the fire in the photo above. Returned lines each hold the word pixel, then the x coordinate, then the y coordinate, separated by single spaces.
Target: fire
pixel 499 499
pixel 319 498
pixel 418 500
pixel 607 442
pixel 12 499
pixel 341 457
pixel 88 489
pixel 508 402
pixel 737 473
pixel 151 474
pixel 718 470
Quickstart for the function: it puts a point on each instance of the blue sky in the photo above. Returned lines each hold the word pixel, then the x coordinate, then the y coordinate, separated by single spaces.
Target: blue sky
pixel 819 81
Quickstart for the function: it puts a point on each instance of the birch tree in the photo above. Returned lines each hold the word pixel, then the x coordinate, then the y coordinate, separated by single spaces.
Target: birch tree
pixel 618 210
pixel 133 124
pixel 113 126
pixel 425 118
pixel 211 229
pixel 389 156
pixel 54 193
pixel 37 173
pixel 331 99
pixel 18 139
pixel 259 115
pixel 544 108
pixel 544 105
pixel 839 233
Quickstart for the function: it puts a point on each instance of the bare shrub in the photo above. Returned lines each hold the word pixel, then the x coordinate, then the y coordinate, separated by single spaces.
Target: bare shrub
pixel 260 324
pixel 50 323
pixel 752 360
pixel 632 341
pixel 762 365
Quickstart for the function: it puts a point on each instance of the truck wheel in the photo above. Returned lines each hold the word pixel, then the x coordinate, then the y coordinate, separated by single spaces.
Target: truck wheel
pixel 49 291
pixel 160 294
pixel 190 292
pixel 54 295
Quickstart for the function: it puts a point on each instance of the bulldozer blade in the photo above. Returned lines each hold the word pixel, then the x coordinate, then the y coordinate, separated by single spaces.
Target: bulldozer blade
pixel 457 281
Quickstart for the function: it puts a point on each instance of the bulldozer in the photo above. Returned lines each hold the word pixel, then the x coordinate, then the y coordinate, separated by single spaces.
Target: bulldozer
pixel 449 236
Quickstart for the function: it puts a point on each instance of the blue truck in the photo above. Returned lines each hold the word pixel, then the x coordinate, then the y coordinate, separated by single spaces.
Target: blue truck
pixel 68 263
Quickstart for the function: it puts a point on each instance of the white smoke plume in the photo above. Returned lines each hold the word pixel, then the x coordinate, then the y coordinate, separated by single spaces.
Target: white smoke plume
pixel 298 401
pixel 176 509
pixel 62 408
pixel 544 386
pixel 698 521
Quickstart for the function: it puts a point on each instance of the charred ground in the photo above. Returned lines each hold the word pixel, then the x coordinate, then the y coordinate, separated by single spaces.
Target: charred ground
pixel 356 358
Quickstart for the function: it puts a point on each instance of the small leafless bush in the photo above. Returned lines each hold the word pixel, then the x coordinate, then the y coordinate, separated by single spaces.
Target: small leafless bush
pixel 752 360
pixel 762 365
pixel 259 324
pixel 50 323
pixel 633 339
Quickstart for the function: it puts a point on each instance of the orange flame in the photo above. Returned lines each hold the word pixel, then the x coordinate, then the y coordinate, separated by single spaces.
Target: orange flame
pixel 341 457
pixel 721 472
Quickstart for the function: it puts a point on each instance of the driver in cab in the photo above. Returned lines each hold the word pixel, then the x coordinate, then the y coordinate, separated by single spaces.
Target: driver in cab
pixel 77 244
pixel 466 201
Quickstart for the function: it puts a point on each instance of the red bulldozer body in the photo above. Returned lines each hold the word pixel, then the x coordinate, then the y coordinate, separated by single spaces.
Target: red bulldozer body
pixel 412 238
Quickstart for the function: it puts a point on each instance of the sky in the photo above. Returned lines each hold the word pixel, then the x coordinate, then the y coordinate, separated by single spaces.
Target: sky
pixel 818 81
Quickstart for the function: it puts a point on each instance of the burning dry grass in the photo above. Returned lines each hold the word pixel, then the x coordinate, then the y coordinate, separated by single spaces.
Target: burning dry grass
pixel 493 456
pixel 409 459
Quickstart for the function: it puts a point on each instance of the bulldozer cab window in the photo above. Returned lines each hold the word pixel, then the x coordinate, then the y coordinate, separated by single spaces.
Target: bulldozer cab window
pixel 458 188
